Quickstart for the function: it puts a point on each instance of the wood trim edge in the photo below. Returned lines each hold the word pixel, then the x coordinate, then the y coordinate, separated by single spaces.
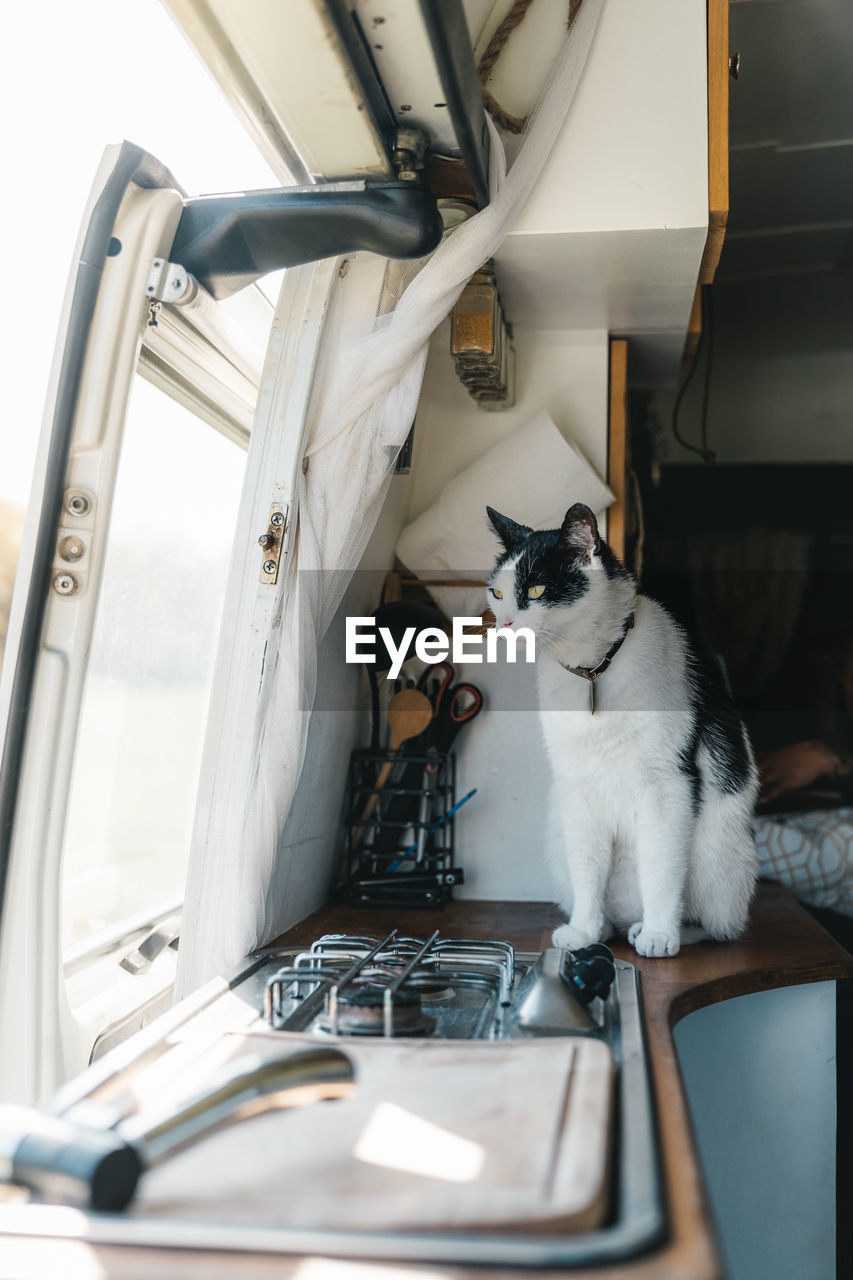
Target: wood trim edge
pixel 718 137
pixel 618 452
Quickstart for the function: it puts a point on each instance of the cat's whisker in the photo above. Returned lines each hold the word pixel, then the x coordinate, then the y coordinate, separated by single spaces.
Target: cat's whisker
pixel 549 644
pixel 553 636
pixel 546 635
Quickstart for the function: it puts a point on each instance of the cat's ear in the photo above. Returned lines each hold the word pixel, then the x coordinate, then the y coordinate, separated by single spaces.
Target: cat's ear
pixel 579 537
pixel 510 533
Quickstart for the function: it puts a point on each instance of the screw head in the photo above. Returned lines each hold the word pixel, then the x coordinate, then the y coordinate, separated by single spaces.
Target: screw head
pixel 266 540
pixel 78 504
pixel 269 566
pixel 65 584
pixel 71 548
pixel 277 518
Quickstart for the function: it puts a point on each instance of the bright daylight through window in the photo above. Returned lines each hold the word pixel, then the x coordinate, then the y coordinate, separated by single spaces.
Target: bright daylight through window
pixel 102 75
pixel 148 683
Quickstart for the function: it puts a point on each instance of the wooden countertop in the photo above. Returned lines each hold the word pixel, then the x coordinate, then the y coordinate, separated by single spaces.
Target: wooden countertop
pixel 784 946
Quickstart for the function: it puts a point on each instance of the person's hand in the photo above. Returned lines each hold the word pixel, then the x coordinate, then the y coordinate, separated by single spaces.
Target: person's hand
pixel 789 768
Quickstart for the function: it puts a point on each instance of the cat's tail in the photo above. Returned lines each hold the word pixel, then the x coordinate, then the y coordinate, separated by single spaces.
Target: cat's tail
pixel 724 864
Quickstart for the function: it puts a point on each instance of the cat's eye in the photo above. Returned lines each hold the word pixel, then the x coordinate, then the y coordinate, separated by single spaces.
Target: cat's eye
pixel 499 595
pixel 535 592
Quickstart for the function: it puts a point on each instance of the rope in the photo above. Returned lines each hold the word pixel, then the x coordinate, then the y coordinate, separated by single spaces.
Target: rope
pixel 496 46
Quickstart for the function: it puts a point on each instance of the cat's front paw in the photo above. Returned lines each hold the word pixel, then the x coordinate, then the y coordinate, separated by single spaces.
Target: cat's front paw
pixel 651 942
pixel 573 937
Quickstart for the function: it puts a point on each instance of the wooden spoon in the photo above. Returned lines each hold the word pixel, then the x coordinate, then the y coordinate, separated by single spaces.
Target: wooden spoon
pixel 409 713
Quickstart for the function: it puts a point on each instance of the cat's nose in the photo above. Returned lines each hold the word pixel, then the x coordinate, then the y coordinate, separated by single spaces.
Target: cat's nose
pixel 504 622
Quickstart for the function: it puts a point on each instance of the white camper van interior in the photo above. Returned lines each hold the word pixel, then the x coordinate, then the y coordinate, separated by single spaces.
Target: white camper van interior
pixel 287 987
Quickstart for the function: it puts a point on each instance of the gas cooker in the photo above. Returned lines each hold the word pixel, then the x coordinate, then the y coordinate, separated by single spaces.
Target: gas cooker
pixel 443 988
pixel 491 1107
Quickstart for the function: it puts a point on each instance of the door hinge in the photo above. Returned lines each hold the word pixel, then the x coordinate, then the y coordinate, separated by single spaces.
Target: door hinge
pixel 167 281
pixel 272 543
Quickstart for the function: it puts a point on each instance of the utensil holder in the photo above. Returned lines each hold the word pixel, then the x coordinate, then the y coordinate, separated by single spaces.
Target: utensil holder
pixel 383 869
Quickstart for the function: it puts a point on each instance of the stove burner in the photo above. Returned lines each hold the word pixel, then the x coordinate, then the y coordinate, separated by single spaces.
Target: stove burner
pixel 439 995
pixel 370 994
pixel 361 1012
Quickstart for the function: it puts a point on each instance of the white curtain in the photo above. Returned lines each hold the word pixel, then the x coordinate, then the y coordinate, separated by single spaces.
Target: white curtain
pixel 362 414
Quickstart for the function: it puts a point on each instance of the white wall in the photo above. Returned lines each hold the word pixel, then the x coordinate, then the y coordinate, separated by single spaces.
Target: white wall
pixel 501 833
pixel 564 372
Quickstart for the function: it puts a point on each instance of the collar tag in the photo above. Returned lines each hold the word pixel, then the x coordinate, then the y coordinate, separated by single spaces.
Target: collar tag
pixel 592 673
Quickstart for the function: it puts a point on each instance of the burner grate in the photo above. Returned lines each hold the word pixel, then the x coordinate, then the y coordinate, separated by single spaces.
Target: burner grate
pixel 352 985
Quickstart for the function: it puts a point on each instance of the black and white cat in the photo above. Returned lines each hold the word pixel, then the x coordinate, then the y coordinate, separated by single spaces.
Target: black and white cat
pixel 655 787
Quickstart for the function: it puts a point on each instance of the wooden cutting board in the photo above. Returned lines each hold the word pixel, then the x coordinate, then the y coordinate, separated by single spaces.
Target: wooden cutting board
pixel 475 1135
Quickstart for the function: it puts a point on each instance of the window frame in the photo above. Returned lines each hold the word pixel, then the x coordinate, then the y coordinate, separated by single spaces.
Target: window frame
pixel 201 359
pixel 104 339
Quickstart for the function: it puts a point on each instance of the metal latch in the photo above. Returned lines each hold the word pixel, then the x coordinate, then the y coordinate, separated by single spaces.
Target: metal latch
pixel 272 543
pixel 143 956
pixel 167 281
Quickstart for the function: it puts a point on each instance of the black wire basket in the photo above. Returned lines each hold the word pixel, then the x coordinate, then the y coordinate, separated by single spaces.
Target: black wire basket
pixel 399 849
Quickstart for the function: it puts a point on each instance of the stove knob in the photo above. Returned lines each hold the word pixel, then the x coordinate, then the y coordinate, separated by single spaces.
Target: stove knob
pixel 595 949
pixel 590 977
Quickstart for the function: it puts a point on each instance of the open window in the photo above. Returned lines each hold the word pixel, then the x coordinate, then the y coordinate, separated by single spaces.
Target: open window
pixel 114 630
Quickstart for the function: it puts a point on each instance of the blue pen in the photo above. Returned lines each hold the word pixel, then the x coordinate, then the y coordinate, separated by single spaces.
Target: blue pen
pixel 450 812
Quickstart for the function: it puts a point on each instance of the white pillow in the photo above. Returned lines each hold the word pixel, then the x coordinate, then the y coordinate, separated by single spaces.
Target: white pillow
pixel 534 475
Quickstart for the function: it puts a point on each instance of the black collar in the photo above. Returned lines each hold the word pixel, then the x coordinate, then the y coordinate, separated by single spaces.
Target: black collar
pixel 592 673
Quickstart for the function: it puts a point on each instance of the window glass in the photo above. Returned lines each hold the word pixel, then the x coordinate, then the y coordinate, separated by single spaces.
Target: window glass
pixel 148 683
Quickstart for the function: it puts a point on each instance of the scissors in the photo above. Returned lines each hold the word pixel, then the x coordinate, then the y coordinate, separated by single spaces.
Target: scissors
pixel 453 705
